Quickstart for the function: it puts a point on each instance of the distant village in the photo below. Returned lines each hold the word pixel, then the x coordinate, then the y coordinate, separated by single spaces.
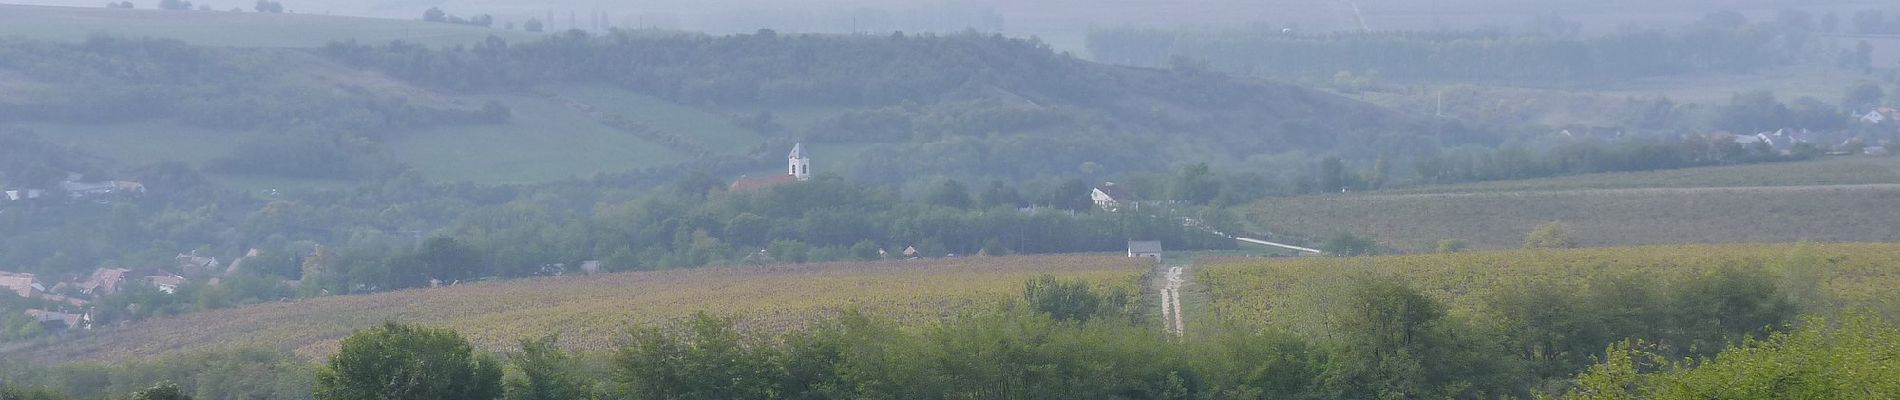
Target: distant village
pixel 76 187
pixel 75 295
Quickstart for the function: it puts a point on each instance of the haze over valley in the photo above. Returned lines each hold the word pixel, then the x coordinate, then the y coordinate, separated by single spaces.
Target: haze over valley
pixel 970 199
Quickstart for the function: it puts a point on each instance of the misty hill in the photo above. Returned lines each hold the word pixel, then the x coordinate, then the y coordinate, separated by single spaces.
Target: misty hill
pixel 907 106
pixel 1062 22
pixel 227 28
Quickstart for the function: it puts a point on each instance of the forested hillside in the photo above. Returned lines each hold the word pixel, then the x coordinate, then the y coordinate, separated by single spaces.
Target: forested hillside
pixel 1005 107
pixel 991 97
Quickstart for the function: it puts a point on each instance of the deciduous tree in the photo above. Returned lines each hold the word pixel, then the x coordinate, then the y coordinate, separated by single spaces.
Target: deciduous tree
pixel 407 362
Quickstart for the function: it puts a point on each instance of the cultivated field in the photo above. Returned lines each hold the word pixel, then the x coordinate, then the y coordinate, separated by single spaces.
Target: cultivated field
pixel 225 28
pixel 1828 171
pixel 591 312
pixel 1846 200
pixel 1287 290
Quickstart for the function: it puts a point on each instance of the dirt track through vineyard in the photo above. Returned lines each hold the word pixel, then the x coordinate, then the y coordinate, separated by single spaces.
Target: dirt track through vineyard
pixel 1171 300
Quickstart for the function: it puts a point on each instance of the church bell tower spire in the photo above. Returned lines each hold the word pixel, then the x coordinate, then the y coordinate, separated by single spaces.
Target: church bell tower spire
pixel 798 165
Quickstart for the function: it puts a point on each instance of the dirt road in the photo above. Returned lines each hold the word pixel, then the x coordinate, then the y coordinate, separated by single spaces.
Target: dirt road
pixel 1171 300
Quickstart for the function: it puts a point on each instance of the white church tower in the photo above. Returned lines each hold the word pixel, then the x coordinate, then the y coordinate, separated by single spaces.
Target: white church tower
pixel 799 165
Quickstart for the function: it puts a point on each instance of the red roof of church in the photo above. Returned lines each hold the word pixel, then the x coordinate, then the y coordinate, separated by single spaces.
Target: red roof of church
pixel 759 182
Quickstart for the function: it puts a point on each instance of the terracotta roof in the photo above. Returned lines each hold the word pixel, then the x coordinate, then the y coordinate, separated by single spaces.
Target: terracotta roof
pixel 63 299
pixel 104 281
pixel 755 183
pixel 194 261
pixel 43 316
pixel 21 284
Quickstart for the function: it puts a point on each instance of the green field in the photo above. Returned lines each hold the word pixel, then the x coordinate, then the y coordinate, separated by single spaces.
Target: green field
pixel 794 118
pixel 591 312
pixel 224 28
pixel 138 144
pixel 543 142
pixel 1847 200
pixel 706 129
pixel 1285 291
pixel 142 143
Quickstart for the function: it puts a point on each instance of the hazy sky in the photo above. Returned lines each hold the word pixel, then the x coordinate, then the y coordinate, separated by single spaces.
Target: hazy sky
pixel 1062 22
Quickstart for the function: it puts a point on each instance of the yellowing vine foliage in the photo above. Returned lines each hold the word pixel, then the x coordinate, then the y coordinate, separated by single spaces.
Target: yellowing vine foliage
pixel 1294 293
pixel 593 312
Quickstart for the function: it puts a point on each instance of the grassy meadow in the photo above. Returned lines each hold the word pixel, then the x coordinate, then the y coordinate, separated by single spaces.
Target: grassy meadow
pixel 703 128
pixel 1856 276
pixel 225 28
pixel 142 143
pixel 591 312
pixel 543 141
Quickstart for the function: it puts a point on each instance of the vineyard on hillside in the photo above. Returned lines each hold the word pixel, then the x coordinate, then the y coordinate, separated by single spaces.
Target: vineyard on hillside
pixel 1598 217
pixel 592 312
pixel 1831 171
pixel 1295 292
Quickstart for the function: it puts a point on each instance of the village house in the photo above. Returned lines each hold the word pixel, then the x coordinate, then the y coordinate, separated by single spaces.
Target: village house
pixel 238 264
pixel 168 283
pixel 1592 133
pixel 83 189
pixel 1873 117
pixel 58 321
pixel 1109 197
pixel 22 284
pixel 78 189
pixel 192 263
pixel 1144 248
pixel 797 169
pixel 103 281
pixel 63 299
pixel 24 194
